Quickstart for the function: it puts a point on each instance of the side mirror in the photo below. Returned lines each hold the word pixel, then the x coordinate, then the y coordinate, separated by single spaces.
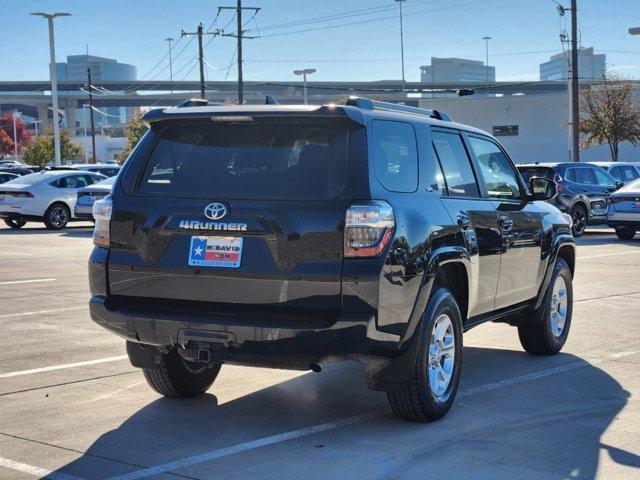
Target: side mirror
pixel 542 188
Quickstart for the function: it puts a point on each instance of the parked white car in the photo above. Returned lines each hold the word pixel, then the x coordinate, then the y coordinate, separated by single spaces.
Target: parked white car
pixel 47 196
pixel 624 211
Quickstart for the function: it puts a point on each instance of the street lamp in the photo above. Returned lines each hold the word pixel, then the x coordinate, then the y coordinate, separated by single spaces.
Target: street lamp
pixel 54 83
pixel 634 31
pixel 486 50
pixel 169 40
pixel 16 116
pixel 304 73
pixel 401 43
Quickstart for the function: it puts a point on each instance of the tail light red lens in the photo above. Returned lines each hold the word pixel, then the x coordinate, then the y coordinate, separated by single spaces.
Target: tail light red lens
pixel 368 229
pixel 17 194
pixel 102 215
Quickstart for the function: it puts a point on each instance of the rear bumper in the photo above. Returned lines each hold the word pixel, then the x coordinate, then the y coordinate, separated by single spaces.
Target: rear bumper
pixel 83 211
pixel 247 341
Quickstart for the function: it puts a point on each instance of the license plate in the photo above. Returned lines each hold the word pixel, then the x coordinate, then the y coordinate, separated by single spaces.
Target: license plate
pixel 225 252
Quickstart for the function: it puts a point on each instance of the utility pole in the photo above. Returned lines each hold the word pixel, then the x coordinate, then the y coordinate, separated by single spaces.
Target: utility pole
pixel 239 35
pixel 93 130
pixel 402 43
pixel 54 81
pixel 486 50
pixel 200 32
pixel 575 86
pixel 169 40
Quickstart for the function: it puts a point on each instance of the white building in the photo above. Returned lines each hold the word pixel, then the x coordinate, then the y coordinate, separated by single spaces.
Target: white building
pixel 454 70
pixel 533 128
pixel 590 66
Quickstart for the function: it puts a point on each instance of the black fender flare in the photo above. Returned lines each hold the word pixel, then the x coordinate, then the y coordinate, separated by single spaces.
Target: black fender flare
pixel 392 374
pixel 559 241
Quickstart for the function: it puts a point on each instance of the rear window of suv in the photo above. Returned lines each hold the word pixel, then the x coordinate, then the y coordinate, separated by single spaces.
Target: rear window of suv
pixel 259 159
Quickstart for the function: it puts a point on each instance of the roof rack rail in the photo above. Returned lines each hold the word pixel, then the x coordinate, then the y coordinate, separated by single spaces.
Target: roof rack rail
pixel 368 104
pixel 194 102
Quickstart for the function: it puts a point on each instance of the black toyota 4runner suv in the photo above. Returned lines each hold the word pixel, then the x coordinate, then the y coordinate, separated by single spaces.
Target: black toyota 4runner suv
pixel 295 236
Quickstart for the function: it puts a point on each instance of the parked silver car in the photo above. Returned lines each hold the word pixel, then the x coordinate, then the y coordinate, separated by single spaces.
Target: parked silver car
pixel 88 195
pixel 624 172
pixel 623 213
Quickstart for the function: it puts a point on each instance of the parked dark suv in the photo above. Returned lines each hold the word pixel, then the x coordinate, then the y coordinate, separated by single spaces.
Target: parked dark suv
pixel 294 236
pixel 583 190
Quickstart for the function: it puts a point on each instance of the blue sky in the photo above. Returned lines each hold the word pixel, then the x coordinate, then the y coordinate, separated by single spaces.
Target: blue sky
pixel 132 31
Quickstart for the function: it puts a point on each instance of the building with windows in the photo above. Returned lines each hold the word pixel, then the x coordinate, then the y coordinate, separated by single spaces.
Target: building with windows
pixel 457 70
pixel 102 70
pixel 590 65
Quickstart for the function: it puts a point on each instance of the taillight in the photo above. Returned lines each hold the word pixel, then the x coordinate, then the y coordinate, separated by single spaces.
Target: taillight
pixel 102 215
pixel 368 228
pixel 18 194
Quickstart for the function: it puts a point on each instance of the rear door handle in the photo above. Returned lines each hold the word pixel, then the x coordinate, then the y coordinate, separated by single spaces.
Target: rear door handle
pixel 585 189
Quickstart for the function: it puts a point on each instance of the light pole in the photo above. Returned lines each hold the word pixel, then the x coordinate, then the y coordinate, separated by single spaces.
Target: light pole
pixel 54 83
pixel 304 73
pixel 16 116
pixel 634 31
pixel 486 50
pixel 169 40
pixel 401 43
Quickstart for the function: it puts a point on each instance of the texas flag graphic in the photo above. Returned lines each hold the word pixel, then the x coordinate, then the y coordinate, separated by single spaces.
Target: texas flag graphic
pixel 215 251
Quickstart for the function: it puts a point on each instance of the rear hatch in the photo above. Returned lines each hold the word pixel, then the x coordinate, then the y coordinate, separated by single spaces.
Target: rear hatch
pixel 528 172
pixel 247 214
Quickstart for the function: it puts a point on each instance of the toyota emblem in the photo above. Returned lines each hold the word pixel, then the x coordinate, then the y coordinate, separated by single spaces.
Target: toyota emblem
pixel 215 211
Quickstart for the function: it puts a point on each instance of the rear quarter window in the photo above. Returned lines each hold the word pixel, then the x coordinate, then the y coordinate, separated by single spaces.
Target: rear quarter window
pixel 395 155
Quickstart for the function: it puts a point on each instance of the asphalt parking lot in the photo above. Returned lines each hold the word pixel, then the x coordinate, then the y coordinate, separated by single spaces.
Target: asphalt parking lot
pixel 72 407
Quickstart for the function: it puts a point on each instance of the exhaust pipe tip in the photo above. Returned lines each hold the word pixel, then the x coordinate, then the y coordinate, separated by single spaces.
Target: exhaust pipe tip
pixel 315 367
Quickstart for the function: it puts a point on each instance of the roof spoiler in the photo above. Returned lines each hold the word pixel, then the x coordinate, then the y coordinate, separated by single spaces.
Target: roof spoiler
pixel 366 104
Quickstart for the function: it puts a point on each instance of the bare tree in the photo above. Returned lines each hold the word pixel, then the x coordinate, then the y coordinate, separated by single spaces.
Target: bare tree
pixel 610 114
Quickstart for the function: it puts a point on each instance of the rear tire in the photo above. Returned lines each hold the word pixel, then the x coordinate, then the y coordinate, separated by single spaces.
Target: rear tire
pixel 625 233
pixel 177 378
pixel 15 222
pixel 580 219
pixel 546 331
pixel 429 393
pixel 57 216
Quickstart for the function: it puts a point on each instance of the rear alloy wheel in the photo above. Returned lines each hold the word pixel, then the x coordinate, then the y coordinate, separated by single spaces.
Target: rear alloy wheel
pixel 431 389
pixel 15 222
pixel 580 218
pixel 547 331
pixel 625 233
pixel 175 377
pixel 57 216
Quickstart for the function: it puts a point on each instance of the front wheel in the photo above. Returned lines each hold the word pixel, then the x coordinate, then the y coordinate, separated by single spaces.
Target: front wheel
pixel 15 222
pixel 177 378
pixel 547 331
pixel 429 393
pixel 580 218
pixel 624 233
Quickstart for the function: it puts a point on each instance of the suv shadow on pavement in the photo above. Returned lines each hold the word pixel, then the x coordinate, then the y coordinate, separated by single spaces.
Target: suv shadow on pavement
pixel 548 426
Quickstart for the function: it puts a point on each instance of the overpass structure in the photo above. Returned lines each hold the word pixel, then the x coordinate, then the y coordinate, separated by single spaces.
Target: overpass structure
pixel 34 100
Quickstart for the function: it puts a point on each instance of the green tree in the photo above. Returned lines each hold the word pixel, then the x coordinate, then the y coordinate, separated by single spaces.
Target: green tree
pixel 134 131
pixel 610 113
pixel 41 150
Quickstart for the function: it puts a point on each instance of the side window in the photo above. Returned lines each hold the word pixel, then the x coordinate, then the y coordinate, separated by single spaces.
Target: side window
pixel 584 176
pixel 616 173
pixel 498 173
pixel 603 179
pixel 455 163
pixel 395 155
pixel 628 174
pixel 571 175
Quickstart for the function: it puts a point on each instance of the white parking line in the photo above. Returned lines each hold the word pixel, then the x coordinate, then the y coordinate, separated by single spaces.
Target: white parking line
pixel 36 312
pixel 304 432
pixel 609 254
pixel 33 280
pixel 63 366
pixel 36 471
